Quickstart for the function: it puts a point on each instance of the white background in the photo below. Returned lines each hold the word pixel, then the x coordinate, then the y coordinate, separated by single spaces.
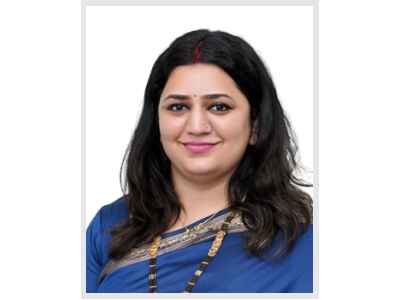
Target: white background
pixel 121 51
pixel 40 167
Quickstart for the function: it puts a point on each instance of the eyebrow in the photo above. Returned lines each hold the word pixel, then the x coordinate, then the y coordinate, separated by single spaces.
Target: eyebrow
pixel 186 97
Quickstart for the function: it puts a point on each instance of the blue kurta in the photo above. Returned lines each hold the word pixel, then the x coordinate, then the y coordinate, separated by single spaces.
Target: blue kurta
pixel 232 270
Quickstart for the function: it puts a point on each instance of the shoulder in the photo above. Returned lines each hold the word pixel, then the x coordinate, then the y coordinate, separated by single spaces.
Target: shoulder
pixel 302 250
pixel 299 257
pixel 106 218
pixel 113 213
pixel 297 263
pixel 302 245
pixel 98 237
pixel 301 261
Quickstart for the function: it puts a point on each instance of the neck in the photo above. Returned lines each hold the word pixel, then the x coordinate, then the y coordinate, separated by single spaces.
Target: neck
pixel 199 199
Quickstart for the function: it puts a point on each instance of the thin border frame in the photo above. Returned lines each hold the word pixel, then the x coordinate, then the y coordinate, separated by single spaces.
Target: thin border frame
pixel 315 5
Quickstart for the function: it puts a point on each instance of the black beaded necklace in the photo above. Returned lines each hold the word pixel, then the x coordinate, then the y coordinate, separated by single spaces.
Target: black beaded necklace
pixel 202 266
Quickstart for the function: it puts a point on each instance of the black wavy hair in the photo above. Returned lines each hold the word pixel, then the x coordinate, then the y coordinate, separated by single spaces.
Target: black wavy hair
pixel 274 203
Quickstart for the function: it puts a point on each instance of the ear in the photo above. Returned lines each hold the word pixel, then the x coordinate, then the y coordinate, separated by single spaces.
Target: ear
pixel 253 135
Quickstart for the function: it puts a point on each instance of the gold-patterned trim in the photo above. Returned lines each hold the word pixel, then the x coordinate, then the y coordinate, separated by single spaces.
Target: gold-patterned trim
pixel 175 242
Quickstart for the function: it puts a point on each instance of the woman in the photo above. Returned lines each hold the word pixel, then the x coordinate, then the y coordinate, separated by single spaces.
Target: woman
pixel 211 203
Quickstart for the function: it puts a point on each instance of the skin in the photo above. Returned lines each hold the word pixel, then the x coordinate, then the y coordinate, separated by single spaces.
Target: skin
pixel 200 113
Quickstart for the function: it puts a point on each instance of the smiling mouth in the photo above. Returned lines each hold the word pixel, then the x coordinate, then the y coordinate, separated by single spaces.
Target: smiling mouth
pixel 199 148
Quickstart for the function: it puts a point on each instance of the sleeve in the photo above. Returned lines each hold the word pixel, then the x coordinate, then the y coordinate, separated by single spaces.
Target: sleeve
pixel 93 253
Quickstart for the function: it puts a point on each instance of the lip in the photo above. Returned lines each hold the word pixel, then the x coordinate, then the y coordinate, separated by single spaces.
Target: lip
pixel 199 148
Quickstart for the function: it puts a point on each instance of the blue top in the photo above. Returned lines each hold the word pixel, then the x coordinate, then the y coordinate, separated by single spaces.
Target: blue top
pixel 231 271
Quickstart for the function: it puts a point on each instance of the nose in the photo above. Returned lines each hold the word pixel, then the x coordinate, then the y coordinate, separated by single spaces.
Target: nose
pixel 198 122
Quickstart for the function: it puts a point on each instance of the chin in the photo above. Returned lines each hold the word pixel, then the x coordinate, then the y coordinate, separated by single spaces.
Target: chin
pixel 200 171
pixel 197 169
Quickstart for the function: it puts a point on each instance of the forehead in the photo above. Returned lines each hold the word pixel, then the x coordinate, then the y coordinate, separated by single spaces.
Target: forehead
pixel 199 79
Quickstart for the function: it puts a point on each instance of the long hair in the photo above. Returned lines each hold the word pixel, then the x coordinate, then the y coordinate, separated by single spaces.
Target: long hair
pixel 274 201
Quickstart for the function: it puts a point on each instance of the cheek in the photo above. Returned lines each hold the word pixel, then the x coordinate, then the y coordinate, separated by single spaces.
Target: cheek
pixel 236 130
pixel 170 128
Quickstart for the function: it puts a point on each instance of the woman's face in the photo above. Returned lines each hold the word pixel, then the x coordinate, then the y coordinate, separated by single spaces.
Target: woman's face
pixel 204 121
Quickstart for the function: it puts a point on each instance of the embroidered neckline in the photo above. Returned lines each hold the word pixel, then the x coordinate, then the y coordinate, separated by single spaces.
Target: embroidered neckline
pixel 175 240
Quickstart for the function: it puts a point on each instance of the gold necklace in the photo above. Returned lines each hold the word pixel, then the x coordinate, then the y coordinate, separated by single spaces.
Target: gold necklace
pixel 202 266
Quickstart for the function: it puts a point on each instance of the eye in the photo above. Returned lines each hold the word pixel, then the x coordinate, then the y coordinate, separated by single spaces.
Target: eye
pixel 220 107
pixel 176 107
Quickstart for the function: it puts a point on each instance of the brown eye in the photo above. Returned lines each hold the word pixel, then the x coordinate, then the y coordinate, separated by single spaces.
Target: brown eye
pixel 176 107
pixel 220 107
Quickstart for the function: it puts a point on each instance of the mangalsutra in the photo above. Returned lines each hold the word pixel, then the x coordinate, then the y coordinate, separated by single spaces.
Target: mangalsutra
pixel 216 244
pixel 198 227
